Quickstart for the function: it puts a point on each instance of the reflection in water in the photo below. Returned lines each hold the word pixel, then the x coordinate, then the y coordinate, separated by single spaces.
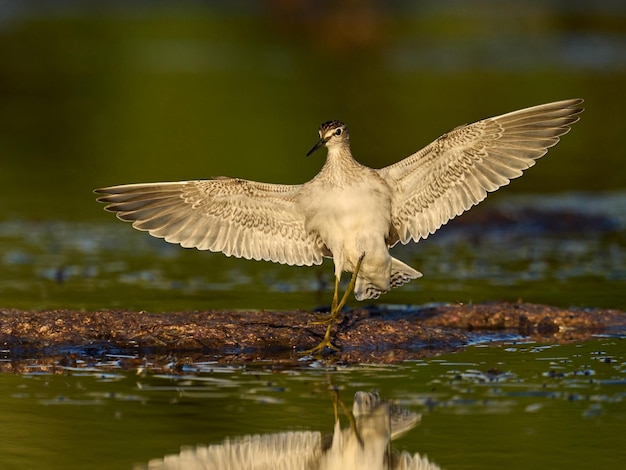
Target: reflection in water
pixel 537 405
pixel 363 445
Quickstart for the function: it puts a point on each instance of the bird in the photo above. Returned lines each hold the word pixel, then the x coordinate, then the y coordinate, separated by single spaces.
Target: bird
pixel 348 212
pixel 364 445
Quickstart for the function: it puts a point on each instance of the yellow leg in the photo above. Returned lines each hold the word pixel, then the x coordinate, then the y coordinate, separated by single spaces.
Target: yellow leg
pixel 348 413
pixel 351 285
pixel 336 404
pixel 327 319
pixel 334 312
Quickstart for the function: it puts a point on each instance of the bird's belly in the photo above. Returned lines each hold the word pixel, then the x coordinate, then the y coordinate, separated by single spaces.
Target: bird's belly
pixel 352 221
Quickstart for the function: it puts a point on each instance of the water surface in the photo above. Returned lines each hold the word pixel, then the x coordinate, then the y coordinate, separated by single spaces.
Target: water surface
pixel 516 405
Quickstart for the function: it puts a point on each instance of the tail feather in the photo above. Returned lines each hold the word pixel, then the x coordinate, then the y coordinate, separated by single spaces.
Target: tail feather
pixel 400 274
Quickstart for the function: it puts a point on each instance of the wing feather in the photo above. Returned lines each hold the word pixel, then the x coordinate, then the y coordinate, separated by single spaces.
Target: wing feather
pixel 458 169
pixel 237 217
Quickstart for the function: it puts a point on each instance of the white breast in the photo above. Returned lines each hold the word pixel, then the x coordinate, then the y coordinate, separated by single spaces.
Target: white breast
pixel 352 218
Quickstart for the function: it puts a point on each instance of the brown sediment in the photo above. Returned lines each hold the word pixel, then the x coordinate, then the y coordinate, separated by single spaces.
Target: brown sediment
pixel 378 334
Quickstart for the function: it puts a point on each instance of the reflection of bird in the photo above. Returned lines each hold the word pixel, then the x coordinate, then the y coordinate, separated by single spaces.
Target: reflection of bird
pixel 364 446
pixel 348 212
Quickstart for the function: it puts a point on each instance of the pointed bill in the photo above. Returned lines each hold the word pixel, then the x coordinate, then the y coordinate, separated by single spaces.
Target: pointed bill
pixel 319 143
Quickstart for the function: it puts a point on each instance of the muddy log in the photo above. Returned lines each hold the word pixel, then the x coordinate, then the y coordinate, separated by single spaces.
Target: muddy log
pixel 374 334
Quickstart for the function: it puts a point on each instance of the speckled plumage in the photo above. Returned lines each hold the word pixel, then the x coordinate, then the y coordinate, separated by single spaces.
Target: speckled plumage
pixel 348 211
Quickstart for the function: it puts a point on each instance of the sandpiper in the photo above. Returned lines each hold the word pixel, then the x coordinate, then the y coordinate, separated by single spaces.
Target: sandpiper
pixel 348 212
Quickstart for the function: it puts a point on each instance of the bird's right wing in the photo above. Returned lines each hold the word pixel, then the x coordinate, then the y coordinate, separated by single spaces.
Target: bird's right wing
pixel 456 171
pixel 237 217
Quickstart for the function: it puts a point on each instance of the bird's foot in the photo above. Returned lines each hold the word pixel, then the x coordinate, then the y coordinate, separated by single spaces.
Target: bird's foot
pixel 319 349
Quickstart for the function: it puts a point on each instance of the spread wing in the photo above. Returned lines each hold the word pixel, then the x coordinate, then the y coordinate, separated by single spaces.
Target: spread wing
pixel 282 451
pixel 457 170
pixel 237 217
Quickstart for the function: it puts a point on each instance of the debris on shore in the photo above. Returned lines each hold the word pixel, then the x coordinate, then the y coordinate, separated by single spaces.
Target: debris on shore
pixel 380 334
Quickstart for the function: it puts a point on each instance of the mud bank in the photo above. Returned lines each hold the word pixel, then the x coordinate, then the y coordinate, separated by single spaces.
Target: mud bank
pixel 376 334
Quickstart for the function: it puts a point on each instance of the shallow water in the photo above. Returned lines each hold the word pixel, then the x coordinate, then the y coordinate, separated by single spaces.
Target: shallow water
pixel 513 405
pixel 566 250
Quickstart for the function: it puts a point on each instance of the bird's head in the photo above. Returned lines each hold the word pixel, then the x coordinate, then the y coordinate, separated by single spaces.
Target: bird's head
pixel 332 133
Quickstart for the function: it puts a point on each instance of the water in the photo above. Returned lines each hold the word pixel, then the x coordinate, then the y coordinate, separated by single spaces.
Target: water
pixel 515 405
pixel 566 250
pixel 97 95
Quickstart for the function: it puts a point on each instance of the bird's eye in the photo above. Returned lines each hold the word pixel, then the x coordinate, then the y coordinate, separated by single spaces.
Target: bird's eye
pixel 338 131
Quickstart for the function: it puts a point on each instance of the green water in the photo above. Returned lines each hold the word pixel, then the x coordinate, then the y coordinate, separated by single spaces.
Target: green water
pixel 516 406
pixel 96 94
pixel 87 265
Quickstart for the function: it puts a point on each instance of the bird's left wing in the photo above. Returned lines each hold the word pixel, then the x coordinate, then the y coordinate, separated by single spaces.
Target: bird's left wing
pixel 457 170
pixel 282 451
pixel 237 217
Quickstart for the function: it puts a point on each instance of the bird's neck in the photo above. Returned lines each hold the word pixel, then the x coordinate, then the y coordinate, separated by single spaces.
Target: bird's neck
pixel 339 159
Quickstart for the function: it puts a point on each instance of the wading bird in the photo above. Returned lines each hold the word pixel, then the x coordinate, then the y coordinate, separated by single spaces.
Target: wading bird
pixel 348 212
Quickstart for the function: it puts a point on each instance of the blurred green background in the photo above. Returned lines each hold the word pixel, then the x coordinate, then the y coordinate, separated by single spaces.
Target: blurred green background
pixel 100 93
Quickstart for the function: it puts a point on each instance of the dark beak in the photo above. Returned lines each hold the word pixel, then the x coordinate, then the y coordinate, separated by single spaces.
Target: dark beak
pixel 316 146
